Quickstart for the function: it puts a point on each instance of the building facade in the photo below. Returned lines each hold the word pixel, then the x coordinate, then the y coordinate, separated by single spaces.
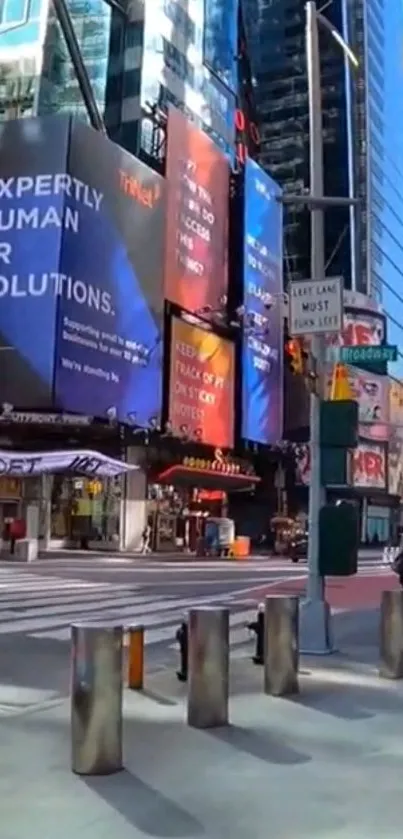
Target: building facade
pixel 276 40
pixel 363 142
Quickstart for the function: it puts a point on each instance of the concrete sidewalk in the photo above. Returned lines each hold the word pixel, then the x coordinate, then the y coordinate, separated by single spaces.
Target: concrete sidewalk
pixel 326 764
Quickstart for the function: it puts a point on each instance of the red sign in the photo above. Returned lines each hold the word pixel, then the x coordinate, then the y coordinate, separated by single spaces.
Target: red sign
pixel 360 328
pixel 247 137
pixel 369 466
pixel 197 218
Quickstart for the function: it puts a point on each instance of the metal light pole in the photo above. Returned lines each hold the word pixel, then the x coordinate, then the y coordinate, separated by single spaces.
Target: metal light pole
pixel 315 591
pixel 315 636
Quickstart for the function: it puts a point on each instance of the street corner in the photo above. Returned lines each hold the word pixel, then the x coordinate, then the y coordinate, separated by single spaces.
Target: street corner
pixel 361 591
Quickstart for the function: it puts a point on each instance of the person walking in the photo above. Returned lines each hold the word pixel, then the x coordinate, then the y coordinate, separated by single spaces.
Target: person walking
pixel 146 539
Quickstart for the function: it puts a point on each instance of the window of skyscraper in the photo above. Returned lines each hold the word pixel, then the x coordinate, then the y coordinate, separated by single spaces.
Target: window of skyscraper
pixel 13 12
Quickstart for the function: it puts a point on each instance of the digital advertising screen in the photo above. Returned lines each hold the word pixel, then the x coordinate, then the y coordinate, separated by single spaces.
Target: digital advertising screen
pixel 262 345
pixel 81 273
pixel 221 40
pixel 109 331
pixel 372 394
pixel 33 156
pixel 201 389
pixel 197 218
pixel 395 440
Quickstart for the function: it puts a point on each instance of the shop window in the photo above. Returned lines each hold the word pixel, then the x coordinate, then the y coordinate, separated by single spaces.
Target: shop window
pixel 85 510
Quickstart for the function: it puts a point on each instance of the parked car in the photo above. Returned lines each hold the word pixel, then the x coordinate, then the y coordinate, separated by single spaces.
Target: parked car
pixel 298 547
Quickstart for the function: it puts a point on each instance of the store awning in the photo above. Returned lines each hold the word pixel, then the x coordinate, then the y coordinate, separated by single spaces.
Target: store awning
pixel 73 461
pixel 206 478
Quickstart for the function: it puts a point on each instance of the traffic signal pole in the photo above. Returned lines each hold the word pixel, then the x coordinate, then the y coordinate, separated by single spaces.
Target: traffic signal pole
pixel 314 617
pixel 315 635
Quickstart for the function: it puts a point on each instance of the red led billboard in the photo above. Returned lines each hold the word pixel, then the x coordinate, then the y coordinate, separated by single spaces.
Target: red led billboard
pixel 197 218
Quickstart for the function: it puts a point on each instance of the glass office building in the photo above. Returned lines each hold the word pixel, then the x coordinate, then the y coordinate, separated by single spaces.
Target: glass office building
pixel 363 138
pixel 137 58
pixel 276 40
pixel 383 51
pixel 37 74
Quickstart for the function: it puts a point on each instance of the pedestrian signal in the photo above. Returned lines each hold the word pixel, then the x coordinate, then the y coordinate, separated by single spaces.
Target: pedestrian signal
pixel 293 352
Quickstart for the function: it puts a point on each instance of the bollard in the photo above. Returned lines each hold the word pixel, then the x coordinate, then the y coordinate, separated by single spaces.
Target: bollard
pixel 391 635
pixel 208 667
pixel 257 627
pixel 182 640
pixel 135 680
pixel 281 646
pixel 96 699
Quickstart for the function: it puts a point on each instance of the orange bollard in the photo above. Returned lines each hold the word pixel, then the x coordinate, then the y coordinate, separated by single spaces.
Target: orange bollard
pixel 136 658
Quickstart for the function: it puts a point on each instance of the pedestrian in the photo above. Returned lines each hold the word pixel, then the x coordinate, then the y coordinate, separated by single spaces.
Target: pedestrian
pixel 397 565
pixel 146 539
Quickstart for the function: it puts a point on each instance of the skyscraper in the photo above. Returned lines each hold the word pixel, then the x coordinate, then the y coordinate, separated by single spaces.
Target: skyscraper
pixel 363 138
pixel 138 57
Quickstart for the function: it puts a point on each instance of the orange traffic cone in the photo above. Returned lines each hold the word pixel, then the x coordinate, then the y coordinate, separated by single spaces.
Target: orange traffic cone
pixel 340 389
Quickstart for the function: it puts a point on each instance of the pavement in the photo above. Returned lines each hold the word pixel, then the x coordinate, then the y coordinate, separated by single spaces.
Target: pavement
pixel 324 764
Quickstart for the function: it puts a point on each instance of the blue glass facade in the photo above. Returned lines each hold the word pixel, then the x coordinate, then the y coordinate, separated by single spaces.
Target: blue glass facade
pixel 384 67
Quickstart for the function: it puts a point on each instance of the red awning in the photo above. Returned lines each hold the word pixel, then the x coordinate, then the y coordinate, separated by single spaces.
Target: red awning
pixel 206 478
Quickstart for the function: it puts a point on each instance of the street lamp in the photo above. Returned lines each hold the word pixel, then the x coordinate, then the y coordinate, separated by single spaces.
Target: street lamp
pixel 315 630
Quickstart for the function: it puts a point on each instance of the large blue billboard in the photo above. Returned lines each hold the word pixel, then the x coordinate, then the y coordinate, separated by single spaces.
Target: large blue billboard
pixel 32 158
pixel 86 279
pixel 262 361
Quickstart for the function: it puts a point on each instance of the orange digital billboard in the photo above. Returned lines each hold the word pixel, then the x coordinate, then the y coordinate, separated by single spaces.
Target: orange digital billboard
pixel 197 218
pixel 201 396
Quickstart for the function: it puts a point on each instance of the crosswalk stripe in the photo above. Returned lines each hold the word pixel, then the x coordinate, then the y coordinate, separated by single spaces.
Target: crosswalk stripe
pixel 27 601
pixel 72 614
pixel 159 628
pixel 112 604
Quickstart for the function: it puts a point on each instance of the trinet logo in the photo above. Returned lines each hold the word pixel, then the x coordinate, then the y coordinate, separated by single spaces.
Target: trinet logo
pixel 147 196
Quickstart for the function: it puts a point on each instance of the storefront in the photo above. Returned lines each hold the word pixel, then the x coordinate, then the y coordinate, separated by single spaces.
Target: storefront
pixel 185 495
pixel 378 509
pixel 56 498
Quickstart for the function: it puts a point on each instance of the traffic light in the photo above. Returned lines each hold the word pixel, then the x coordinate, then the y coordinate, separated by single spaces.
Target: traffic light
pixel 294 356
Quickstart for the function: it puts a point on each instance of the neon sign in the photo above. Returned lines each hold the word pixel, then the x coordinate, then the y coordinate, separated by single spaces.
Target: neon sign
pixel 247 137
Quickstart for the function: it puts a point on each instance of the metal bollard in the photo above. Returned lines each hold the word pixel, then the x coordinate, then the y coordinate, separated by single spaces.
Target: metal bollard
pixel 391 635
pixel 96 699
pixel 281 646
pixel 257 627
pixel 182 639
pixel 135 676
pixel 208 667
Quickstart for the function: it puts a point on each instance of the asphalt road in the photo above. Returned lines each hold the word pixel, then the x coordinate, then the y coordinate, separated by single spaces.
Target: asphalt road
pixel 39 602
pixel 163 578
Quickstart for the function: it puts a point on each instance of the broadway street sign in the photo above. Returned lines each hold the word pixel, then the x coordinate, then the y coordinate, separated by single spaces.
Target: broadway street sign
pixel 365 354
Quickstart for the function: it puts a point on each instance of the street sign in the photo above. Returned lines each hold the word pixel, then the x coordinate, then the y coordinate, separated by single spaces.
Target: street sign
pixel 366 353
pixel 316 307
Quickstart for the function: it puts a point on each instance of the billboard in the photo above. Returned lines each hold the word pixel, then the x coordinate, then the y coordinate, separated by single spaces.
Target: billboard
pixel 221 40
pixel 395 447
pixel 368 466
pixel 372 394
pixel 262 356
pixel 197 218
pixel 360 328
pixel 201 388
pixel 33 156
pixel 83 291
pixel 109 347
